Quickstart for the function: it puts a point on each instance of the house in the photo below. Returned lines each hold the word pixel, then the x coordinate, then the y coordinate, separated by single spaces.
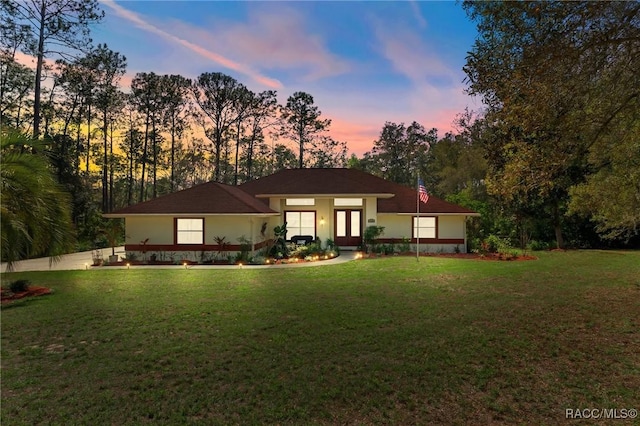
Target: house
pixel 315 203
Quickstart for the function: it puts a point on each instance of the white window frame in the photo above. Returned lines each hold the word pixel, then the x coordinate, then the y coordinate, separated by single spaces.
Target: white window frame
pixel 187 230
pixel 299 229
pixel 347 202
pixel 300 202
pixel 425 228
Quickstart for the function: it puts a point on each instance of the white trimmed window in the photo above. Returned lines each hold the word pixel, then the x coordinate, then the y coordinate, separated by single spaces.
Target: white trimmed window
pixel 424 227
pixel 189 231
pixel 300 223
pixel 345 202
pixel 301 202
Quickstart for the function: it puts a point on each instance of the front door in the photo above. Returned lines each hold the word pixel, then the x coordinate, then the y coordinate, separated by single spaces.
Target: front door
pixel 348 227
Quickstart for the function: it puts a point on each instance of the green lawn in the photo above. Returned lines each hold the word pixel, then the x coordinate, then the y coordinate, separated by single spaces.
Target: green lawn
pixel 390 340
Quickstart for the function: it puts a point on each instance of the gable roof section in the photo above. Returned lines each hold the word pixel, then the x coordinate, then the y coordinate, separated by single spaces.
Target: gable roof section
pixel 206 198
pixel 405 202
pixel 320 182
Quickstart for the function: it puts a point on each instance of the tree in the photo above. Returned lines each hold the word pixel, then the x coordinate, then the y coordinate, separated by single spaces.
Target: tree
pixel 327 152
pixel 111 67
pixel 216 94
pixel 262 115
pixel 35 215
pixel 16 82
pixel 52 25
pixel 175 89
pixel 147 96
pixel 400 153
pixel 301 122
pixel 558 78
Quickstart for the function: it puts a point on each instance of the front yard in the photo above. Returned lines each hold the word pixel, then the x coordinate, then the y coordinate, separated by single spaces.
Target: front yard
pixel 390 340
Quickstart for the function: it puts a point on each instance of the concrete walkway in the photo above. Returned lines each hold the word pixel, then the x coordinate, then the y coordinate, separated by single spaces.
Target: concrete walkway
pixel 83 260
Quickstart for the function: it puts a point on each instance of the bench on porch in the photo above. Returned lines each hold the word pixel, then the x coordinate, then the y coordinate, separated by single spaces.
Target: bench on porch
pixel 302 240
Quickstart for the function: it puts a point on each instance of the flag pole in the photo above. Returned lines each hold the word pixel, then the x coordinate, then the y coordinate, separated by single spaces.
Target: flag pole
pixel 417 227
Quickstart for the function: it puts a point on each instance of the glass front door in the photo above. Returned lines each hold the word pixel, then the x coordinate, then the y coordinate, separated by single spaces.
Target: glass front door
pixel 348 227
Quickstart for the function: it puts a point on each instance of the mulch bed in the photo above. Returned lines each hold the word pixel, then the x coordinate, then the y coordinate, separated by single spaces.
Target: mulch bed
pixel 488 256
pixel 477 256
pixel 7 296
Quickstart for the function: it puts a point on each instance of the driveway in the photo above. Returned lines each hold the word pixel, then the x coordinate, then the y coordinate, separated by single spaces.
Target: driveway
pixel 83 260
pixel 67 262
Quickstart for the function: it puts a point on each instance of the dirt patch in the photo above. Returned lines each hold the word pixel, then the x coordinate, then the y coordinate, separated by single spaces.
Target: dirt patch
pixel 7 296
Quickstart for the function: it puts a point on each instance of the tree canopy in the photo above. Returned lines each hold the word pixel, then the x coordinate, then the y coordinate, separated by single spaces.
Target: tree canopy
pixel 561 87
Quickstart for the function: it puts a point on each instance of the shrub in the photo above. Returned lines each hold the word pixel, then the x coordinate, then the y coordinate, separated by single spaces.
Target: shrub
pixel 404 246
pixel 535 245
pixel 258 260
pixel 19 286
pixel 371 234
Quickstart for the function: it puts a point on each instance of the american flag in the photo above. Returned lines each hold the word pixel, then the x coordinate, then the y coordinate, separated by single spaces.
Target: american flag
pixel 422 191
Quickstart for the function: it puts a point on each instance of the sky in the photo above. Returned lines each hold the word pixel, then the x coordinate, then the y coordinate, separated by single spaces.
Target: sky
pixel 364 62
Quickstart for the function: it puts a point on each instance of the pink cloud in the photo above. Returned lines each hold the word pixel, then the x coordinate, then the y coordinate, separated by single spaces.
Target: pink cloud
pixel 418 14
pixel 409 55
pixel 205 53
pixel 30 61
pixel 274 40
pixel 359 134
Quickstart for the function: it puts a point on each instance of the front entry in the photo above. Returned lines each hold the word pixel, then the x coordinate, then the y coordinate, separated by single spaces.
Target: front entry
pixel 348 229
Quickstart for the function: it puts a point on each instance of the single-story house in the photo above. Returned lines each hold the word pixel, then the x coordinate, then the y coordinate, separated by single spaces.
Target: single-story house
pixel 319 203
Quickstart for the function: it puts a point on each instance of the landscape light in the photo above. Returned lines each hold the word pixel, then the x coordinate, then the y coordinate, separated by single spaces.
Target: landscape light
pixel 128 265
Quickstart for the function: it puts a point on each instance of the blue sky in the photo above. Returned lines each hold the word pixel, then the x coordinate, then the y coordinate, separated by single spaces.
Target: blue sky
pixel 363 62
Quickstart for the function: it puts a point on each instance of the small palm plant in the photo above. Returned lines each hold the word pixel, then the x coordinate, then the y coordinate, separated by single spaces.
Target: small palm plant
pixel 113 231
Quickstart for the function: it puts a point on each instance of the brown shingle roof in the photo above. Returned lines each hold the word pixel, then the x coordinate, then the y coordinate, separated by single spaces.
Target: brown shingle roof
pixel 218 198
pixel 401 199
pixel 207 198
pixel 405 202
pixel 318 181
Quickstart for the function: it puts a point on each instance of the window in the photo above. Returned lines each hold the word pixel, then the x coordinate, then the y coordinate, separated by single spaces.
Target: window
pixel 425 228
pixel 189 231
pixel 300 223
pixel 342 202
pixel 301 202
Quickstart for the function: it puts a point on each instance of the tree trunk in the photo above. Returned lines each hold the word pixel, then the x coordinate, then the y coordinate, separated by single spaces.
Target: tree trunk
pixel 173 152
pixel 556 226
pixel 88 137
pixel 38 83
pixel 105 183
pixel 155 159
pixel 144 158
pixel 111 171
pixel 235 173
pixel 131 154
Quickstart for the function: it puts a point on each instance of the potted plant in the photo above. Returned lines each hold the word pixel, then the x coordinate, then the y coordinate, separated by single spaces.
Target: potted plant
pixel 113 232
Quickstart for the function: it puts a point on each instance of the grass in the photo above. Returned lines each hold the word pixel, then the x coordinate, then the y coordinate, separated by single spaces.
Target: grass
pixel 442 341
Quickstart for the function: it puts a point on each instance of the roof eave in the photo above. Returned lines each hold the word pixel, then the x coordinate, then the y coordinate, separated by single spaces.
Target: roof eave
pixel 316 195
pixel 470 214
pixel 120 215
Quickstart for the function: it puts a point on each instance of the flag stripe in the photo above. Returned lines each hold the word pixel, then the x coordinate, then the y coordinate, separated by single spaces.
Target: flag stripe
pixel 422 190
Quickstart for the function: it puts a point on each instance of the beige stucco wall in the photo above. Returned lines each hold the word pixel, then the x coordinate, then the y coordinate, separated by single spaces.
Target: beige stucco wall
pixel 395 226
pixel 158 229
pixel 451 226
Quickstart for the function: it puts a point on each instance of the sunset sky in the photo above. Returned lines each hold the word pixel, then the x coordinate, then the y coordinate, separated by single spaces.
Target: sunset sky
pixel 363 62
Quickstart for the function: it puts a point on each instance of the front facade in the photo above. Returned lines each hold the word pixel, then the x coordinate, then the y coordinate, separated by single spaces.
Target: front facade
pixel 337 204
